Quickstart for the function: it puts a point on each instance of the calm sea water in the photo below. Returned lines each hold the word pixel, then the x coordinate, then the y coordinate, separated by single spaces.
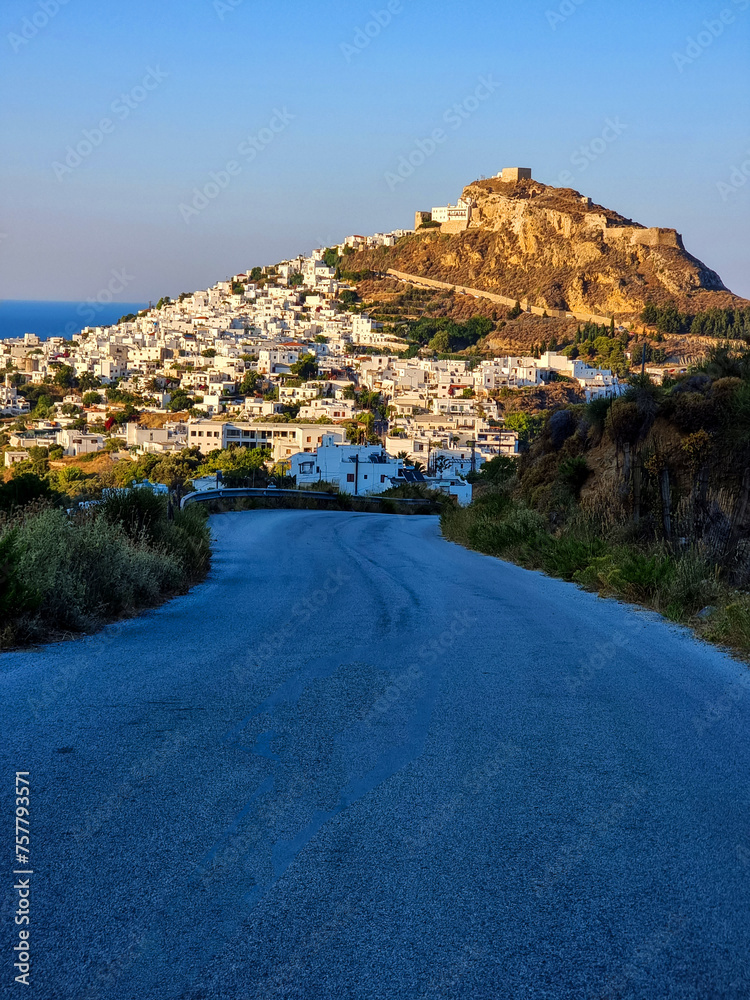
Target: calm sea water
pixel 58 319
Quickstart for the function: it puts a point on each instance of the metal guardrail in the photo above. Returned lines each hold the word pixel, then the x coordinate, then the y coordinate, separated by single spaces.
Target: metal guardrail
pixel 246 491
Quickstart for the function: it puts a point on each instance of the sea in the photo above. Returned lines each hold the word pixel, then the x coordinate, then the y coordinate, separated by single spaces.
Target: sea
pixel 59 319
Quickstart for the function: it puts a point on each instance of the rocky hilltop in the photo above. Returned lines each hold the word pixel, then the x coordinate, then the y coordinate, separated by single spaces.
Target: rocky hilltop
pixel 555 249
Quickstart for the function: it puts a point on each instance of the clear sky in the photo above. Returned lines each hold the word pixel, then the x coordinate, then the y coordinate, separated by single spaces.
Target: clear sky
pixel 316 104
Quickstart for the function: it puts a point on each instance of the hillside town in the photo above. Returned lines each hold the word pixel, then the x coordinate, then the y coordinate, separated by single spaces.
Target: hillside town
pixel 279 358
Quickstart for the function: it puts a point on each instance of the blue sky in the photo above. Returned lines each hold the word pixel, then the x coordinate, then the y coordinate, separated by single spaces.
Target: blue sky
pixel 333 100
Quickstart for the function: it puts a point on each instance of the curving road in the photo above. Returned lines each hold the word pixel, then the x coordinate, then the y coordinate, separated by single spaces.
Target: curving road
pixel 361 762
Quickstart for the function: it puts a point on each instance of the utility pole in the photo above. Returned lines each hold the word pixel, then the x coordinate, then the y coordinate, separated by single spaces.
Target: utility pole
pixel 643 360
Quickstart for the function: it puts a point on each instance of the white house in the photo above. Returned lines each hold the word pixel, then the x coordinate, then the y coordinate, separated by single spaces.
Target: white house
pixel 155 439
pixel 11 404
pixel 283 439
pixel 460 212
pixel 335 409
pixel 355 469
pixel 272 359
pixel 79 443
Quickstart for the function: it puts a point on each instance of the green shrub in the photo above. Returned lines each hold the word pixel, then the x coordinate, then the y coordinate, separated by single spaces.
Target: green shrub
pixel 596 412
pixel 519 528
pixel 138 511
pixel 639 576
pixel 69 573
pixel 565 557
pixel 574 472
pixel 730 625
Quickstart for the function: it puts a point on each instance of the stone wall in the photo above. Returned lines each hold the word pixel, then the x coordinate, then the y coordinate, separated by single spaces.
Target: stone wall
pixel 414 279
pixel 644 237
pixel 451 228
pixel 512 174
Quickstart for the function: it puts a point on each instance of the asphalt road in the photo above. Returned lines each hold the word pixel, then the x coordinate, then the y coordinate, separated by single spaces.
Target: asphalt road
pixel 361 762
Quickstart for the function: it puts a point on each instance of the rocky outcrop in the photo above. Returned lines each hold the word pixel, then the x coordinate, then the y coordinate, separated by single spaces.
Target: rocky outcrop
pixel 551 246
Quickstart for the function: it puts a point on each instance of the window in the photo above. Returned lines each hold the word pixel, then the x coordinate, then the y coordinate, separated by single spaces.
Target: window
pixel 350 477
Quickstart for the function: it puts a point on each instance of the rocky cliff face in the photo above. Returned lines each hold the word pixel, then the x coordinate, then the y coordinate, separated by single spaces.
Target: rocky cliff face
pixel 553 247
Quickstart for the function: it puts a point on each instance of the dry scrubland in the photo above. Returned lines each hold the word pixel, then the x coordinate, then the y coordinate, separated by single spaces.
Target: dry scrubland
pixel 646 498
pixel 64 574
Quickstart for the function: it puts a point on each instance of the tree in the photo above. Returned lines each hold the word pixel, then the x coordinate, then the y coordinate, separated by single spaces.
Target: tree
pixel 306 367
pixel 495 472
pixel 331 257
pixel 234 463
pixel 525 424
pixel 88 381
pixel 65 377
pixel 516 311
pixel 210 352
pixel 440 342
pixel 22 489
pixel 250 382
pixel 44 408
pixel 39 458
pixel 256 274
pixel 180 401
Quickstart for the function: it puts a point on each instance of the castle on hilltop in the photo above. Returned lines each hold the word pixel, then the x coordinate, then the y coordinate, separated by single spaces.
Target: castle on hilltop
pixel 510 175
pixel 457 218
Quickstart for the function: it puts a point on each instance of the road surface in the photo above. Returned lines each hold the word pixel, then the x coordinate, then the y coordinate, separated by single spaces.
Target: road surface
pixel 362 762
